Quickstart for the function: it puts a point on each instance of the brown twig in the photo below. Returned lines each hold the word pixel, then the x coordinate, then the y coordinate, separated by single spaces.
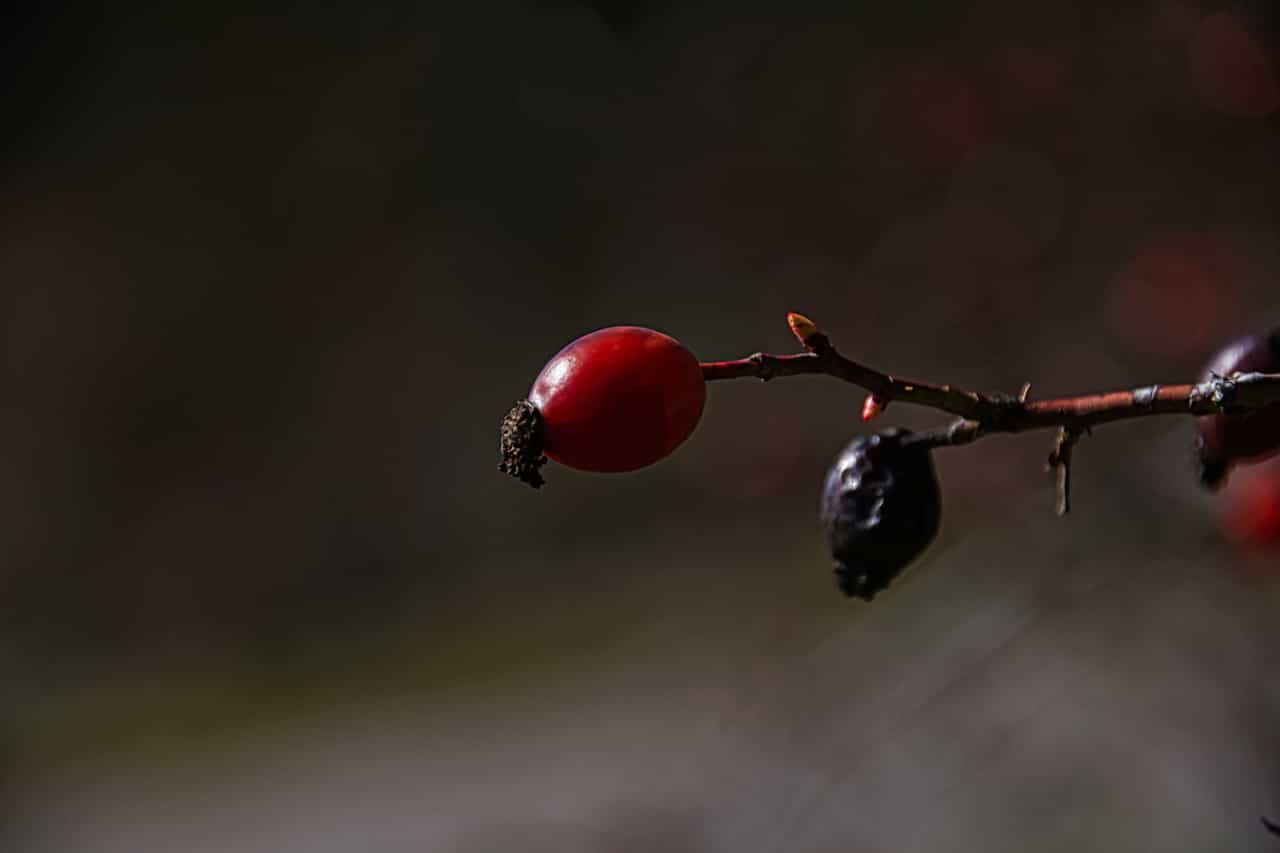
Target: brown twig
pixel 985 413
pixel 1060 462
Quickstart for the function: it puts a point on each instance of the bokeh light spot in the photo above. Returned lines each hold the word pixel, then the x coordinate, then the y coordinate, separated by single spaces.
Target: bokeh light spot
pixel 929 116
pixel 1175 292
pixel 1230 70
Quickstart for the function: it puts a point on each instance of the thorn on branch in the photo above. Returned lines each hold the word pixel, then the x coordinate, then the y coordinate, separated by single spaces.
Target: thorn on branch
pixel 1271 825
pixel 1060 462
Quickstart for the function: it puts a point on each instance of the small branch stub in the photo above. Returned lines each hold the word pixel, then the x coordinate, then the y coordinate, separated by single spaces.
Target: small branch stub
pixel 1060 462
pixel 520 440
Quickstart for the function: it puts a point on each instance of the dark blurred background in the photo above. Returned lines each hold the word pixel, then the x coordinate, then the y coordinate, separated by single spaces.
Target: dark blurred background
pixel 269 279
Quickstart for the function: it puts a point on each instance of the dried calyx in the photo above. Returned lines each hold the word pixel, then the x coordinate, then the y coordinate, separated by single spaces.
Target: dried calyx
pixel 520 441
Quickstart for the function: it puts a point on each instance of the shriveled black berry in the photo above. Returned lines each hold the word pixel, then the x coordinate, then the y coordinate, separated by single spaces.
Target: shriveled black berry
pixel 1224 440
pixel 881 508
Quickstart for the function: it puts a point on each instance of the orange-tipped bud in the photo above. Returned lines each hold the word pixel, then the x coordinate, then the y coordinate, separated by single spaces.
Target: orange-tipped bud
pixel 873 406
pixel 803 328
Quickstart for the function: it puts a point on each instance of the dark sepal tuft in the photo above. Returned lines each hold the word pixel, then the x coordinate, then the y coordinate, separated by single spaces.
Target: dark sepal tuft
pixel 521 444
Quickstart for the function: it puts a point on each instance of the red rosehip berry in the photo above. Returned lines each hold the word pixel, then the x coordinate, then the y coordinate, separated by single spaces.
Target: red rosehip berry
pixel 615 400
pixel 1225 440
pixel 881 507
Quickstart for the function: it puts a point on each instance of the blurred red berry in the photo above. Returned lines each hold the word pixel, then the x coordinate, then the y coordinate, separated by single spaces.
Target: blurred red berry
pixel 1173 294
pixel 618 399
pixel 1253 514
pixel 927 113
pixel 1230 68
pixel 1225 440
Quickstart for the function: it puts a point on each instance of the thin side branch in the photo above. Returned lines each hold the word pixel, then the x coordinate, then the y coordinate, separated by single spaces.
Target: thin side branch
pixel 1060 462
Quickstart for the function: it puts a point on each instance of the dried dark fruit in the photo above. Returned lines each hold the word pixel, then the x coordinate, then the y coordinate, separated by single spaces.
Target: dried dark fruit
pixel 1225 440
pixel 881 508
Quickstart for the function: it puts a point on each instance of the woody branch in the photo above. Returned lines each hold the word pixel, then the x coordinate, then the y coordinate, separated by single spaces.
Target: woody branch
pixel 982 414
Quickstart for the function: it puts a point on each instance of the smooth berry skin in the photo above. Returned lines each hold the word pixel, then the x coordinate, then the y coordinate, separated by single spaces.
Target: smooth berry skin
pixel 1225 440
pixel 618 399
pixel 881 507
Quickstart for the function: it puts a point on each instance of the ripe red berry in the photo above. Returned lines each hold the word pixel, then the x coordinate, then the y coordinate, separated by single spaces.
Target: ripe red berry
pixel 1225 440
pixel 615 400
